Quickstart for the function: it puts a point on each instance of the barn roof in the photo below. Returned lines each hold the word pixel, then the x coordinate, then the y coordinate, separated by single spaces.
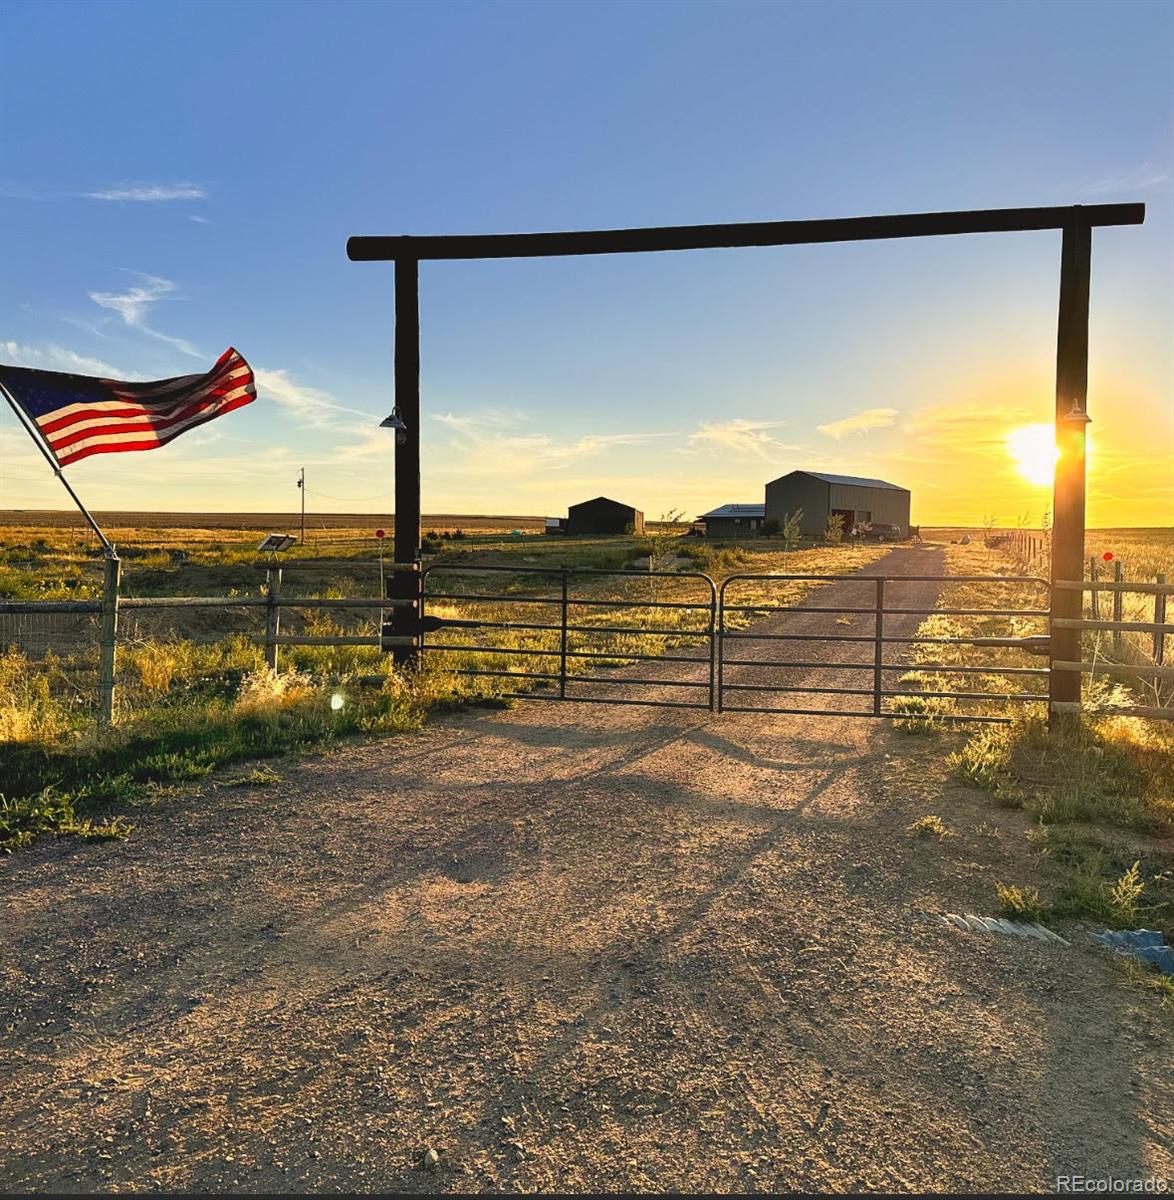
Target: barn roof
pixel 603 500
pixel 850 480
pixel 737 510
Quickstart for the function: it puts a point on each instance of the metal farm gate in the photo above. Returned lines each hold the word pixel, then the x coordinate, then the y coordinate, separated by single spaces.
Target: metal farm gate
pixel 565 646
pixel 729 649
pixel 769 649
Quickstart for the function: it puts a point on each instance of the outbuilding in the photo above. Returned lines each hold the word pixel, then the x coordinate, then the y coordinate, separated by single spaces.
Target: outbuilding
pixel 734 521
pixel 605 517
pixel 855 500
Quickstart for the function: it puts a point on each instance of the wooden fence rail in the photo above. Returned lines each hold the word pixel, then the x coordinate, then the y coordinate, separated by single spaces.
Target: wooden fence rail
pixel 112 603
pixel 1158 628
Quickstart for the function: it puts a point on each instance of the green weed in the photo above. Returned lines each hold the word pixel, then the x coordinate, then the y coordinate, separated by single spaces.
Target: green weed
pixel 1020 903
pixel 930 826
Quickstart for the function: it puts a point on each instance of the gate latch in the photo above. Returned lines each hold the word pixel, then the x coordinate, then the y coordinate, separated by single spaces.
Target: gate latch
pixel 1037 643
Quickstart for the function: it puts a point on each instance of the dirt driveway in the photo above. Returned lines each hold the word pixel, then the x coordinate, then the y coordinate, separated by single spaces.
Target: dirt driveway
pixel 568 948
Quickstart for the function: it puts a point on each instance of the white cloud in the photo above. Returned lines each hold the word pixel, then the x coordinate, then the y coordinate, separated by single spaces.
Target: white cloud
pixel 199 220
pixel 741 437
pixel 491 444
pixel 132 306
pixel 1130 179
pixel 870 418
pixel 57 358
pixel 149 193
pixel 309 405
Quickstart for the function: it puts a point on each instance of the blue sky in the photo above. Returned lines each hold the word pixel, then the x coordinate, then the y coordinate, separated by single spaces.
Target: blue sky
pixel 176 178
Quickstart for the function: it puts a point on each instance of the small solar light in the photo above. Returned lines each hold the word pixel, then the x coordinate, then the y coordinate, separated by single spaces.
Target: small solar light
pixel 276 542
pixel 336 701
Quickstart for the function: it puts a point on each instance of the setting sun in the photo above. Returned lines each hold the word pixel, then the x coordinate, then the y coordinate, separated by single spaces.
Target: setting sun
pixel 1033 447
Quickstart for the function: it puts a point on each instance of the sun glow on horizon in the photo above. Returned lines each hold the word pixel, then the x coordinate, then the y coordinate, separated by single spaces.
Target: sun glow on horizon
pixel 1033 447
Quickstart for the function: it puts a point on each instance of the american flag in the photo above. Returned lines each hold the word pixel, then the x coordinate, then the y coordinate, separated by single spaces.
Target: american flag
pixel 79 415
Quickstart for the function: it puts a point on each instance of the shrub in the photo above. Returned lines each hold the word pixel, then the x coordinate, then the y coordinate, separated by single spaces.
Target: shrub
pixel 930 825
pixel 29 712
pixel 1020 904
pixel 771 527
pixel 265 692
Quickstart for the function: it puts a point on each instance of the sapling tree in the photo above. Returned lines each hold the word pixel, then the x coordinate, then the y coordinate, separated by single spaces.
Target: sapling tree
pixel 792 528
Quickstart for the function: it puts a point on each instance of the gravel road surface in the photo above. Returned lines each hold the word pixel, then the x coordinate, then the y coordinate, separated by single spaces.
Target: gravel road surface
pixel 568 947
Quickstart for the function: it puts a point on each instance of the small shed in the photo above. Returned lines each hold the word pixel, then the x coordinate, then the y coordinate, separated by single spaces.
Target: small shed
pixel 602 516
pixel 734 520
pixel 854 499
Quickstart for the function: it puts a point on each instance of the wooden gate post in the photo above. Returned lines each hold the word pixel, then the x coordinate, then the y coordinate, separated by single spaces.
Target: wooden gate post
pixel 1068 491
pixel 272 615
pixel 405 584
pixel 1118 608
pixel 1159 620
pixel 108 640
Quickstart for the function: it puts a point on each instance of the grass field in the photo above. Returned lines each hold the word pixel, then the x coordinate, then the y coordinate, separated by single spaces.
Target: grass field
pixel 1098 796
pixel 195 694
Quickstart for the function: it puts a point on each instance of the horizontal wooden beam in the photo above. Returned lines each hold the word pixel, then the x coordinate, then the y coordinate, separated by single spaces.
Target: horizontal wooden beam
pixel 750 233
pixel 293 639
pixel 17 607
pixel 1150 712
pixel 1142 670
pixel 1115 626
pixel 1143 589
pixel 330 564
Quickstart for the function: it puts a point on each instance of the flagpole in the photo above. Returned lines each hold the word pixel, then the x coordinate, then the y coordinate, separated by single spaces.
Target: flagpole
pixel 35 435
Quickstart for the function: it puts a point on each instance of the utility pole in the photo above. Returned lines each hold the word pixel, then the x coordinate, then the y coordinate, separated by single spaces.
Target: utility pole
pixel 302 489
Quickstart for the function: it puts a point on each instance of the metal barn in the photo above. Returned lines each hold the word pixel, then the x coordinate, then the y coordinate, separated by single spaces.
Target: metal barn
pixel 855 500
pixel 604 516
pixel 734 521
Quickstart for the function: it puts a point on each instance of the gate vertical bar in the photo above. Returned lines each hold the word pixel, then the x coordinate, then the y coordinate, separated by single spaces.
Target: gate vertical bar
pixel 562 659
pixel 404 583
pixel 712 648
pixel 108 640
pixel 1068 490
pixel 720 617
pixel 1094 597
pixel 878 658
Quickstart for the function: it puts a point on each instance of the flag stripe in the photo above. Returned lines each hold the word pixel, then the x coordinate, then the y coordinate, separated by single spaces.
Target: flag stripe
pixel 107 445
pixel 117 408
pixel 78 415
pixel 102 424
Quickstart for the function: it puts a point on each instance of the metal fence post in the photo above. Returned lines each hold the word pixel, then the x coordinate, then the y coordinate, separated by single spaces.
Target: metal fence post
pixel 878 659
pixel 1118 607
pixel 272 615
pixel 108 640
pixel 1159 619
pixel 1094 597
pixel 562 655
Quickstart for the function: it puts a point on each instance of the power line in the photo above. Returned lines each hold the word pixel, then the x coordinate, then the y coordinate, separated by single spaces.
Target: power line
pixel 350 499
